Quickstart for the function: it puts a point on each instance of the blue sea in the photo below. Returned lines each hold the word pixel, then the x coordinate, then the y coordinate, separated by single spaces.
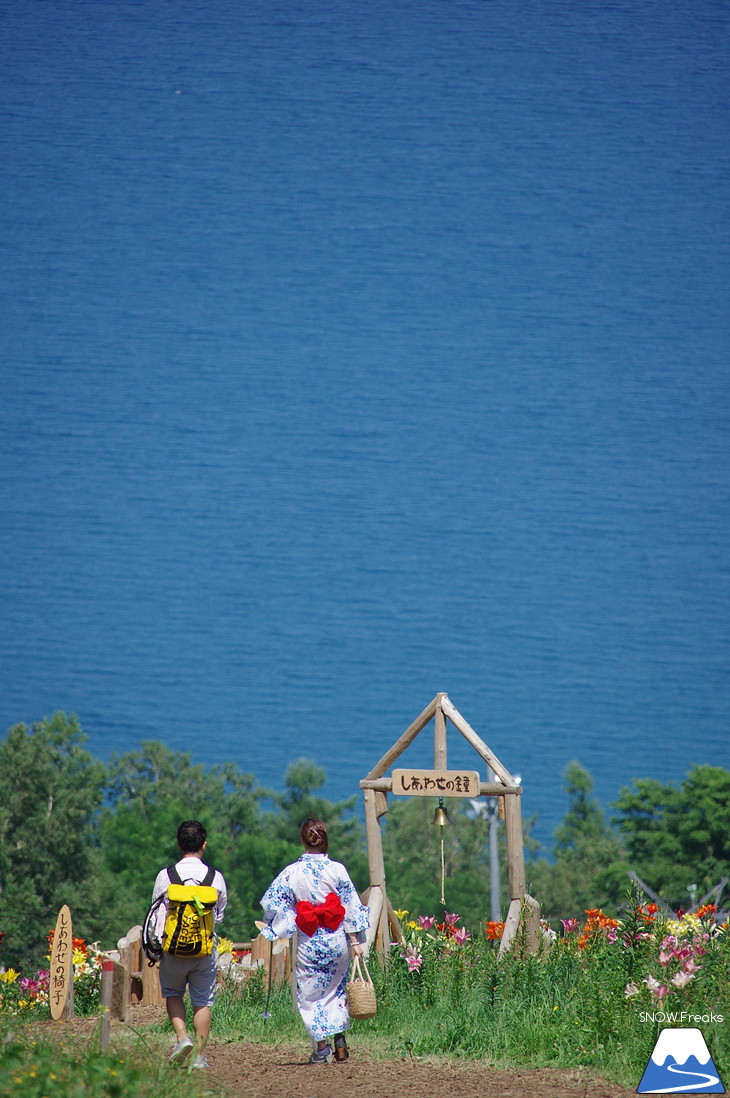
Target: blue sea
pixel 356 352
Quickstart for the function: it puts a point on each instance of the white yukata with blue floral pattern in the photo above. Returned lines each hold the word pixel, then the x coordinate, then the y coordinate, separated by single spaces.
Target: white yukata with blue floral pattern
pixel 322 960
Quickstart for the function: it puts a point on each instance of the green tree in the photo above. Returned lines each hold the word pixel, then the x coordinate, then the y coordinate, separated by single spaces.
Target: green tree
pixel 50 790
pixel 300 799
pixel 677 837
pixel 589 868
pixel 154 774
pixel 151 790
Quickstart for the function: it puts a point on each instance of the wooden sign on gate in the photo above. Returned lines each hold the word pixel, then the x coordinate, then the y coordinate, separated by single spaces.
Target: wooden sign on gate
pixel 436 783
pixel 60 977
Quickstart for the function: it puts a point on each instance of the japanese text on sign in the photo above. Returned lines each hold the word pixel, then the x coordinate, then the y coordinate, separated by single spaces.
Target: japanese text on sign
pixel 436 783
pixel 60 979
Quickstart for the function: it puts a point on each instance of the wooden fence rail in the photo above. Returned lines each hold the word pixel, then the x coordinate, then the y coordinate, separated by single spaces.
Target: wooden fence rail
pixel 137 982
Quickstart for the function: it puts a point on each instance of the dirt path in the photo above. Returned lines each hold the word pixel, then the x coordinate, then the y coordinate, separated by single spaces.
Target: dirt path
pixel 243 1070
pixel 254 1071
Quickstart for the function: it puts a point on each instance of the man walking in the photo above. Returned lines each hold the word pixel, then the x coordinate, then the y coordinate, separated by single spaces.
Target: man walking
pixel 197 974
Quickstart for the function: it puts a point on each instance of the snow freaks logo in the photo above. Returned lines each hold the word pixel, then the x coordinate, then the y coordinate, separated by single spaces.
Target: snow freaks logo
pixel 680 1062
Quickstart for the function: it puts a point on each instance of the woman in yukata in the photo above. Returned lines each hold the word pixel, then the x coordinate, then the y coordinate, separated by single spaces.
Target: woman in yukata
pixel 315 899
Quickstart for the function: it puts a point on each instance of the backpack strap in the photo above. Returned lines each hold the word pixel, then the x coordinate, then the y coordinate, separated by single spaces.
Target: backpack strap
pixel 174 876
pixel 176 879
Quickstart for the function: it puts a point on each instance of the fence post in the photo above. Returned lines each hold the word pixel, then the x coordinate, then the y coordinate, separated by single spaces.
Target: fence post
pixel 107 984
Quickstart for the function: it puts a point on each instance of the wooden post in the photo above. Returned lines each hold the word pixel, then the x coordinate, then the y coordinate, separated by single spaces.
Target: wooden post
pixel 515 853
pixel 260 951
pixel 136 990
pixel 439 736
pixel 120 992
pixel 123 980
pixel 395 928
pixel 145 978
pixel 376 866
pixel 280 962
pixel 105 999
pixel 522 927
pixel 376 908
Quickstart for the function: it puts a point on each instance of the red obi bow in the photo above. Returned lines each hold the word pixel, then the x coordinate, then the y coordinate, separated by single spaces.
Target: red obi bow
pixel 310 917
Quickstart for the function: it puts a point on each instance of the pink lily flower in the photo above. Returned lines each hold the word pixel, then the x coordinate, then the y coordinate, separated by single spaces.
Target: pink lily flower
pixel 451 920
pixel 569 925
pixel 461 936
pixel 689 964
pixel 660 990
pixel 426 921
pixel 681 979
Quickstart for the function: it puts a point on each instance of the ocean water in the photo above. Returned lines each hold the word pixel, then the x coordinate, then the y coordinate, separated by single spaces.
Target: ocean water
pixel 352 353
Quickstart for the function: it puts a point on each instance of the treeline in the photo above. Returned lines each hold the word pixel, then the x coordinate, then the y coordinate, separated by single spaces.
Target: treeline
pixel 677 839
pixel 74 830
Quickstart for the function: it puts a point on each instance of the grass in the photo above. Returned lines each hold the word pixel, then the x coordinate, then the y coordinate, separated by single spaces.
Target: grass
pixel 566 1008
pixel 61 1065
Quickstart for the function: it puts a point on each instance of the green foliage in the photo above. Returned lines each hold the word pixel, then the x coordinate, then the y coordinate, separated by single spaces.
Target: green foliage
pixel 589 867
pixel 678 837
pixel 38 1068
pixel 154 775
pixel 72 830
pixel 59 845
pixel 50 790
pixel 152 790
pixel 299 800
pixel 567 1007
pixel 673 837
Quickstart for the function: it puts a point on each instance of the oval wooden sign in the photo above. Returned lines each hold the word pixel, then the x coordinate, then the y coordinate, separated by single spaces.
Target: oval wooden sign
pixel 60 978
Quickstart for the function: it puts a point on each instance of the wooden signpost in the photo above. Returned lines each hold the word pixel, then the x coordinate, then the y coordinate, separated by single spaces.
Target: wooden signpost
pixel 61 978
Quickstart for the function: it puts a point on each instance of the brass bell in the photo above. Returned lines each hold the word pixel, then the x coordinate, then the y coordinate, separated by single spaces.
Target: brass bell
pixel 441 816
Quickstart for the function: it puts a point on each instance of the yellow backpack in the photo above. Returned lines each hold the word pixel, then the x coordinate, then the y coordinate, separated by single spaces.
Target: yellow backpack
pixel 190 919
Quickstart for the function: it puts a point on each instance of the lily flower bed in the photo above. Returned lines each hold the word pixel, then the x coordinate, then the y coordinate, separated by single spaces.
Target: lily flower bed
pixel 596 994
pixel 28 995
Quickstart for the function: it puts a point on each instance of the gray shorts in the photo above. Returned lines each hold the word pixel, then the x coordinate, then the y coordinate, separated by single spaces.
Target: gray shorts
pixel 198 974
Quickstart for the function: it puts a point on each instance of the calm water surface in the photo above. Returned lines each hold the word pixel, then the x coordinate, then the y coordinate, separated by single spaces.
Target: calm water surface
pixel 355 353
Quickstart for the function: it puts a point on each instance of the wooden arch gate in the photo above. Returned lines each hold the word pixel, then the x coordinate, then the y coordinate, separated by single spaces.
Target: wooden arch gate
pixel 523 909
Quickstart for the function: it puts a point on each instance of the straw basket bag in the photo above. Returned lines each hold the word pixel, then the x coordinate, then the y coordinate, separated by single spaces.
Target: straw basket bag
pixel 361 1001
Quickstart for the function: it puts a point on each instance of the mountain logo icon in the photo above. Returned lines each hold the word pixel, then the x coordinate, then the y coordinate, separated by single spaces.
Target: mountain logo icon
pixel 680 1062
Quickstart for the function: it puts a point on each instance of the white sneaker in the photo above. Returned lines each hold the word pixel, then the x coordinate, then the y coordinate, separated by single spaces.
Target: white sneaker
pixel 181 1051
pixel 200 1062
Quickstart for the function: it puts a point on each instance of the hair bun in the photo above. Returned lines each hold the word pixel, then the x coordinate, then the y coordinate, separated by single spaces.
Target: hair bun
pixel 314 835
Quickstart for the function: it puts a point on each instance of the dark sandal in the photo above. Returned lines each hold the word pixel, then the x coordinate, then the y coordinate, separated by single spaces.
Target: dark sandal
pixel 341 1050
